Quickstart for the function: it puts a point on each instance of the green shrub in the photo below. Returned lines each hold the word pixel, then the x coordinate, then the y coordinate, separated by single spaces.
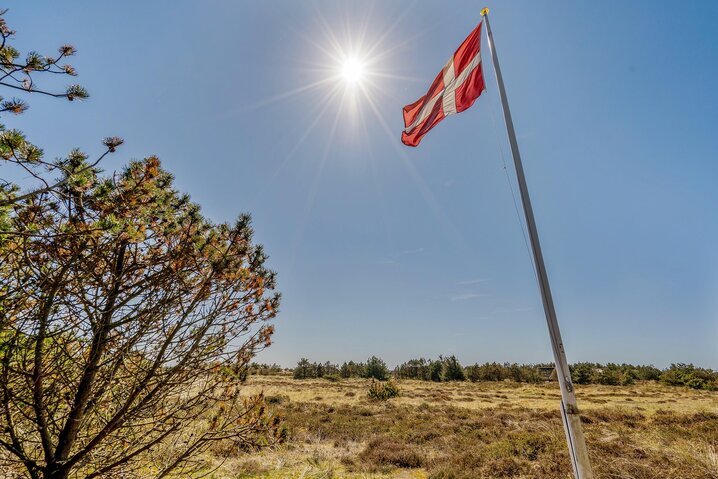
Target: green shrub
pixel 582 373
pixel 690 376
pixel 626 377
pixel 304 370
pixel 472 373
pixel 647 373
pixel 381 391
pixel 414 369
pixel 435 370
pixel 609 375
pixel 452 370
pixel 449 369
pixel 262 369
pixel 352 370
pixel 376 369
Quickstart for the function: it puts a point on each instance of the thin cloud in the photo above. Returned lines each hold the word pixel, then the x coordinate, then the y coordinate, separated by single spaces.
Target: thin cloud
pixel 464 297
pixel 410 251
pixel 386 261
pixel 472 281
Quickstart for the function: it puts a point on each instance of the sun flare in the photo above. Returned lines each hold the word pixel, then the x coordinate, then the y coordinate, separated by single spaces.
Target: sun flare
pixel 353 71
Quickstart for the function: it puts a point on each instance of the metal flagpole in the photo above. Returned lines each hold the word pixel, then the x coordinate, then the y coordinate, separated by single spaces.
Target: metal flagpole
pixel 569 409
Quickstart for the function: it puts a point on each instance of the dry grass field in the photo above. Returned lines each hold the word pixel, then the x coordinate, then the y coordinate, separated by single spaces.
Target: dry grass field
pixel 479 430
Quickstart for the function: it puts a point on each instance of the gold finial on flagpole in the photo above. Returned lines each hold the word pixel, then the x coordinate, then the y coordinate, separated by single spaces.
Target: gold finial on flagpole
pixel 485 11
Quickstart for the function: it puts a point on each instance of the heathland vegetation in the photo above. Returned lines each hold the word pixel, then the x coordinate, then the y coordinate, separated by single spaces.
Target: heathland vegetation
pixel 475 430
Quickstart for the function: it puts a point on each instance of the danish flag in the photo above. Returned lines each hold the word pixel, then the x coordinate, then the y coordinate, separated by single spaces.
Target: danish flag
pixel 454 90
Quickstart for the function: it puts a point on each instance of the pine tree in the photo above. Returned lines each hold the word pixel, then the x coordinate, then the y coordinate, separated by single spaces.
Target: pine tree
pixel 127 319
pixel 125 307
pixel 376 368
pixel 21 76
pixel 435 370
pixel 452 370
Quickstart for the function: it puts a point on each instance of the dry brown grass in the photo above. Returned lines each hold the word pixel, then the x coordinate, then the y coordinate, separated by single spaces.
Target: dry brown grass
pixel 481 430
pixel 646 397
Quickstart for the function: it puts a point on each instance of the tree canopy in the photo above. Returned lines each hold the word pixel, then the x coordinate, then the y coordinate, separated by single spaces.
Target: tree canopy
pixel 126 317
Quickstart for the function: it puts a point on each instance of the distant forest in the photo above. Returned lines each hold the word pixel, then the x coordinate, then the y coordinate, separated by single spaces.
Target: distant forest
pixel 448 368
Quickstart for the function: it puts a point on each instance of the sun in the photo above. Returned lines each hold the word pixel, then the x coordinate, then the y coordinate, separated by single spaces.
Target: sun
pixel 353 71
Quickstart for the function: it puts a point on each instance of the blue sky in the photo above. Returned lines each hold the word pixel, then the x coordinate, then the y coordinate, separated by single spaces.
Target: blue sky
pixel 382 249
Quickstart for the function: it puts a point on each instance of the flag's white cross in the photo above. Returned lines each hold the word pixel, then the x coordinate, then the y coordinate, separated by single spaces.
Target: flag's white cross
pixel 448 93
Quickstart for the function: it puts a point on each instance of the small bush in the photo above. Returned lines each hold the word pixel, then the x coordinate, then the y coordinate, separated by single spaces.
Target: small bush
pixel 523 444
pixel 381 391
pixel 277 399
pixel 386 452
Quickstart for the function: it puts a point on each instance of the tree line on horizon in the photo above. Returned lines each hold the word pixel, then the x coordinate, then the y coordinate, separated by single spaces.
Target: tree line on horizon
pixel 448 368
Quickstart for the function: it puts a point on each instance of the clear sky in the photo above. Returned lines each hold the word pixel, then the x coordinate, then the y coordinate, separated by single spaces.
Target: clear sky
pixel 399 252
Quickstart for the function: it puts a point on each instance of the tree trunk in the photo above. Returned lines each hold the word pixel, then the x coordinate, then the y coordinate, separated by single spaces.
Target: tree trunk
pixel 54 471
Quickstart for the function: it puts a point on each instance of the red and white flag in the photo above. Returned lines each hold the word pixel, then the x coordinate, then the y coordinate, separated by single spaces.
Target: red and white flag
pixel 455 89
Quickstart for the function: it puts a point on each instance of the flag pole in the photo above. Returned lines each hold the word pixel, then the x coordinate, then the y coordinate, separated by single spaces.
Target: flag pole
pixel 569 409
